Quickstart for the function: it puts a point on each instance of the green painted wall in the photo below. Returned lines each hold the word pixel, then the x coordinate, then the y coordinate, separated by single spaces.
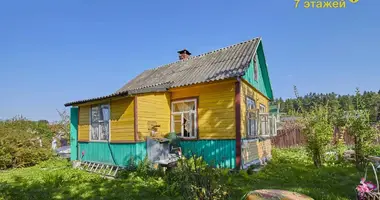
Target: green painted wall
pixel 116 154
pixel 74 133
pixel 263 82
pixel 219 153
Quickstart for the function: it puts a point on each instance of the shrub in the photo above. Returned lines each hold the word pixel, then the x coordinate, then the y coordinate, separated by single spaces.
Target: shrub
pixel 20 143
pixel 359 126
pixel 318 131
pixel 194 179
pixel 364 134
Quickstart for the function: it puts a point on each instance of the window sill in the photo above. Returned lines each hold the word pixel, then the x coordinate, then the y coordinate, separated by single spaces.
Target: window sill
pixel 188 139
pixel 101 141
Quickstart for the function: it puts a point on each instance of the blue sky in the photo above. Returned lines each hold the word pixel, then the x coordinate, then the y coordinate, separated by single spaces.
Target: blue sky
pixel 52 52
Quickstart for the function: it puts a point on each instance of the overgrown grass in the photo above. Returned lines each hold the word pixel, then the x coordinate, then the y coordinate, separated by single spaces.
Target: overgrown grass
pixel 57 180
pixel 290 170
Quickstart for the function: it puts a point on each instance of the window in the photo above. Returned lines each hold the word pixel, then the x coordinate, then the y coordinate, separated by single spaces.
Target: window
pixel 262 108
pixel 264 121
pixel 184 115
pixel 251 117
pixel 99 118
pixel 255 67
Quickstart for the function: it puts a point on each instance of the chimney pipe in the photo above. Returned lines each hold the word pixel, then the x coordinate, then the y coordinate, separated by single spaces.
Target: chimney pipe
pixel 184 54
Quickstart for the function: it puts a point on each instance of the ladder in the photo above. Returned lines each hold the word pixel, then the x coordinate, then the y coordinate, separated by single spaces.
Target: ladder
pixel 103 169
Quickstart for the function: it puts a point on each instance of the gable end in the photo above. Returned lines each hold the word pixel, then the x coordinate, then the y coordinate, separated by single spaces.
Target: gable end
pixel 262 83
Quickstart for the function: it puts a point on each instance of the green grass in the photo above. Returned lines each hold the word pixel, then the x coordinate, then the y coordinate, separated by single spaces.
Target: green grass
pixel 292 170
pixel 289 170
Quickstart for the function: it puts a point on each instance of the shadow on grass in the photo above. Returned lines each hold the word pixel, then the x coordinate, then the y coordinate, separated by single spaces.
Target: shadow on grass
pixel 63 187
pixel 334 182
pixel 288 171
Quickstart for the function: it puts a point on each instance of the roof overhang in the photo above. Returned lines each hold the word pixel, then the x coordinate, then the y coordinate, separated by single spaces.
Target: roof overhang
pixel 156 88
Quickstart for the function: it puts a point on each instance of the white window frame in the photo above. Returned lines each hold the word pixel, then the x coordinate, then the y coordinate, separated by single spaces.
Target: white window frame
pixel 264 125
pixel 250 134
pixel 109 122
pixel 172 113
pixel 262 106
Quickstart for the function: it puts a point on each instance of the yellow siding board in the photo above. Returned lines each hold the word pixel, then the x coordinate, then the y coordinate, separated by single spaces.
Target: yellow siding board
pixel 153 107
pixel 121 124
pixel 248 90
pixel 83 123
pixel 122 119
pixel 216 111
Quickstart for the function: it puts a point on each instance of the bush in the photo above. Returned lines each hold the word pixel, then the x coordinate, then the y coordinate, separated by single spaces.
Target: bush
pixel 318 131
pixel 20 143
pixel 364 134
pixel 359 126
pixel 194 179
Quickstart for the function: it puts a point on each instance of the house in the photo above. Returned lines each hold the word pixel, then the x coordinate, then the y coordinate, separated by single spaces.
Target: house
pixel 216 102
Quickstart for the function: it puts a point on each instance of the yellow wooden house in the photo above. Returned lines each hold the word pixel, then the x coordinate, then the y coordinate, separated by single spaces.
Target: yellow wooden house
pixel 216 102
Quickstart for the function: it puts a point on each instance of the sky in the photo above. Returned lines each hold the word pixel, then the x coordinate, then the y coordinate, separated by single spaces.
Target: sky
pixel 54 52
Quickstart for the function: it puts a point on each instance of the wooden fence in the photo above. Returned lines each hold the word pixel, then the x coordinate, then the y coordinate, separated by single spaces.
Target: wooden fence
pixel 288 138
pixel 293 138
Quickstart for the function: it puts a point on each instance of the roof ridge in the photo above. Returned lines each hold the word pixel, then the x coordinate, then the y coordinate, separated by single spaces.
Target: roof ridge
pixel 201 55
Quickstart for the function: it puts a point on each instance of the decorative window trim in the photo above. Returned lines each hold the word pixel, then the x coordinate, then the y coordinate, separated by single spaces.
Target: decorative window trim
pixel 263 106
pixel 172 113
pixel 265 125
pixel 251 134
pixel 109 122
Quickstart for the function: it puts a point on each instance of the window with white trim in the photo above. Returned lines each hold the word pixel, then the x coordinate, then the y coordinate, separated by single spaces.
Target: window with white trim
pixel 183 118
pixel 251 117
pixel 264 121
pixel 262 108
pixel 99 120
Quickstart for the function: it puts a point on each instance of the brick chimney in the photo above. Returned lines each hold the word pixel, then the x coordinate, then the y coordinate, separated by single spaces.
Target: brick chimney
pixel 184 54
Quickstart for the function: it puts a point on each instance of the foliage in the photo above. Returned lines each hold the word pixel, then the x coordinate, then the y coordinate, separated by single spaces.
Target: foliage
pixel 174 140
pixel 290 169
pixel 339 148
pixel 318 131
pixel 61 127
pixel 371 101
pixel 145 168
pixel 359 126
pixel 194 179
pixel 56 179
pixel 23 143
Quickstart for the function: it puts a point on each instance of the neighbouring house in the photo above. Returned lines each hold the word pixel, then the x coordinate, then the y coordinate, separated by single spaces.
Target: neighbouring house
pixel 217 102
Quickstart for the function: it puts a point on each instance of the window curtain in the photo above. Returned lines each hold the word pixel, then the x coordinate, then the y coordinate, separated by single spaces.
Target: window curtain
pixel 104 126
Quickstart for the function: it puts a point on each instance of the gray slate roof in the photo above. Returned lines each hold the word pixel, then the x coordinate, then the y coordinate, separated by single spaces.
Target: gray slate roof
pixel 220 64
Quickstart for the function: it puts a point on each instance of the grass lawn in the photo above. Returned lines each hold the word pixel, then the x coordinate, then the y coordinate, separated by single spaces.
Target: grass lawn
pixel 289 170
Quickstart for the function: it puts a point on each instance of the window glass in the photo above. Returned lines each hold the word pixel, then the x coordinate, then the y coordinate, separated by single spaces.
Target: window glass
pixel 251 117
pixel 100 116
pixel 184 118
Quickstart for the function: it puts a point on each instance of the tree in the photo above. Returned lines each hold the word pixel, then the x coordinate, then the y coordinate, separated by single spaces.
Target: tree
pixel 318 131
pixel 62 126
pixel 359 126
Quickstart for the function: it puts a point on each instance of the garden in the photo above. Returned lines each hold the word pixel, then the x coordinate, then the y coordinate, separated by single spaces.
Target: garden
pixel 29 169
pixel 290 169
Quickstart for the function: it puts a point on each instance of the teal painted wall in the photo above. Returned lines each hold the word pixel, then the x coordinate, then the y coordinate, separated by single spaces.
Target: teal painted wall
pixel 74 133
pixel 262 83
pixel 116 154
pixel 219 153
